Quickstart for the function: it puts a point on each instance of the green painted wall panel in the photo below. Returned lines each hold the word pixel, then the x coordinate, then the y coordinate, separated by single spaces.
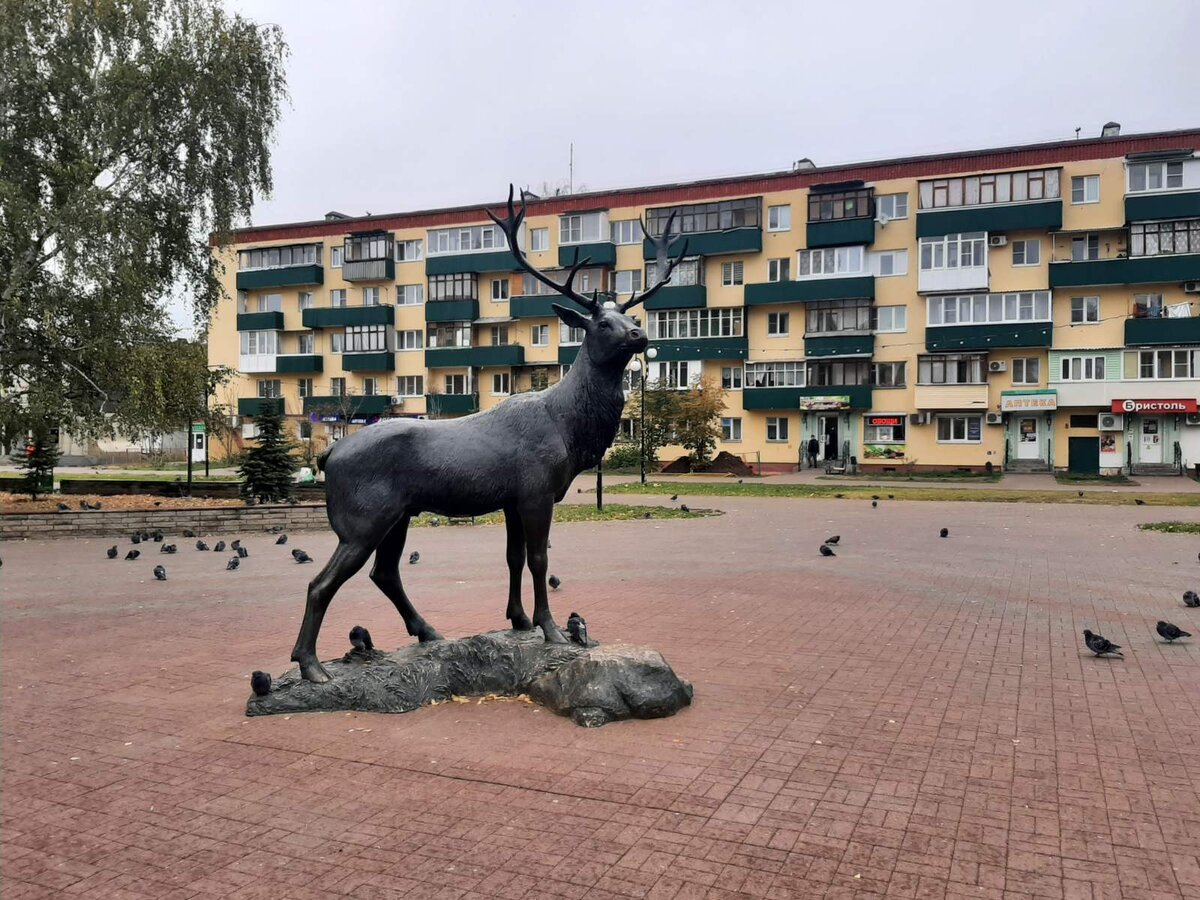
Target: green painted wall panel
pixel 294 276
pixel 451 310
pixel 841 232
pixel 1161 332
pixel 264 321
pixel 839 345
pixel 369 362
pixel 253 406
pixel 451 404
pixel 341 316
pixel 684 296
pixel 713 243
pixel 860 287
pixel 1005 217
pixel 950 338
pixel 603 253
pixel 700 348
pixel 457 263
pixel 299 364
pixel 1146 207
pixel 1129 270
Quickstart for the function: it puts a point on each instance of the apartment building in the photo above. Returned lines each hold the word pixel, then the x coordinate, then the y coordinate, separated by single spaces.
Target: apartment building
pixel 1028 307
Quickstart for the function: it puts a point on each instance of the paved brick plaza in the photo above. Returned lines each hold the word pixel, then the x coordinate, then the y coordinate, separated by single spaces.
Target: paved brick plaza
pixel 914 718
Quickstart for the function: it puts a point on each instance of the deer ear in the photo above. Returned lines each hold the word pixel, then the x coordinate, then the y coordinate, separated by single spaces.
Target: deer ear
pixel 570 316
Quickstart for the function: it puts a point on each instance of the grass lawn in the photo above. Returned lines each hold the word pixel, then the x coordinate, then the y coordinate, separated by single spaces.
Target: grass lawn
pixel 1172 527
pixel 855 492
pixel 965 477
pixel 1068 478
pixel 579 512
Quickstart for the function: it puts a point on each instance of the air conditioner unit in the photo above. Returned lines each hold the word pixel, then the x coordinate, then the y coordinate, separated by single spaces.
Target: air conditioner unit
pixel 1191 287
pixel 997 240
pixel 397 400
pixel 920 418
pixel 998 365
pixel 233 421
pixel 1111 422
pixel 1192 418
pixel 994 418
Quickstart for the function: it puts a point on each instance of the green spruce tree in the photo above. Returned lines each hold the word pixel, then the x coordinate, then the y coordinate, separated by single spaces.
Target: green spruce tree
pixel 269 465
pixel 37 460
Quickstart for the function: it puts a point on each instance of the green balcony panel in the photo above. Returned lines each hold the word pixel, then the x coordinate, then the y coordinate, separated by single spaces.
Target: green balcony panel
pixel 451 404
pixel 457 263
pixel 810 290
pixel 1158 332
pixel 451 310
pixel 369 362
pixel 566 355
pixel 267 321
pixel 950 338
pixel 684 296
pixel 841 232
pixel 1003 217
pixel 1145 207
pixel 307 362
pixel 1130 270
pixel 539 306
pixel 700 348
pixel 788 398
pixel 464 357
pixel 714 243
pixel 603 253
pixel 254 406
pixel 351 404
pixel 369 270
pixel 293 276
pixel 341 316
pixel 839 345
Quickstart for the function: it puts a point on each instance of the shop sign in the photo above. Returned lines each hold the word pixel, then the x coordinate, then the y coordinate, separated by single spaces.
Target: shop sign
pixel 1033 401
pixel 817 403
pixel 1154 406
pixel 884 421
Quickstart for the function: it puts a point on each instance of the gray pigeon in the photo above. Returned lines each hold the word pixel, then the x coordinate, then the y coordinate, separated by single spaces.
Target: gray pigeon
pixel 874 504
pixel 200 545
pixel 282 539
pixel 136 538
pixel 133 554
pixel 220 548
pixel 554 582
pixel 1169 632
pixel 233 563
pixel 242 552
pixel 112 552
pixel 414 558
pixel 1191 598
pixel 827 551
pixel 945 532
pixel 1101 645
pixel 834 539
pixel 160 573
pixel 260 683
pixel 167 548
pixel 234 545
pixel 360 639
pixel 577 629
pixel 301 556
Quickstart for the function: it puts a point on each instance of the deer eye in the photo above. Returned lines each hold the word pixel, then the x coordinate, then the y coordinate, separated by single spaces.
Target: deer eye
pixel 606 324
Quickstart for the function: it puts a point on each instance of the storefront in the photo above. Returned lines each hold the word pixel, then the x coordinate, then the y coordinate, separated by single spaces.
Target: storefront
pixel 884 439
pixel 828 419
pixel 1029 426
pixel 1154 432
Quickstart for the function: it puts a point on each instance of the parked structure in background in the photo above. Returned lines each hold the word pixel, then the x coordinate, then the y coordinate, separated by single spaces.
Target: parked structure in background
pixel 1031 307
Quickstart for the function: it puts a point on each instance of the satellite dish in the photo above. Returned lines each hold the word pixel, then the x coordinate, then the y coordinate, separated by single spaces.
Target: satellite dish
pixel 882 219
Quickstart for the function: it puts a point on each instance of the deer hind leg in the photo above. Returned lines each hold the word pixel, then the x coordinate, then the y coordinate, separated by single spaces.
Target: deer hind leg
pixel 386 575
pixel 536 521
pixel 347 559
pixel 516 564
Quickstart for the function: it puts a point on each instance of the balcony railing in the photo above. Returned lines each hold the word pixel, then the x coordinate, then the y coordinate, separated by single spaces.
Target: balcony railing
pixel 600 253
pixel 949 338
pixel 299 363
pixel 1176 324
pixel 834 345
pixel 466 357
pixel 714 243
pixel 439 405
pixel 451 310
pixel 341 316
pixel 849 396
pixel 701 348
pixel 260 321
pixel 292 276
pixel 255 406
pixel 996 218
pixel 369 270
pixel 1126 270
pixel 808 290
pixel 683 296
pixel 383 361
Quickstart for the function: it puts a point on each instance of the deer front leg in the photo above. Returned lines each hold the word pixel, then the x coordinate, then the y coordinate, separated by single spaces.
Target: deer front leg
pixel 347 559
pixel 516 564
pixel 536 521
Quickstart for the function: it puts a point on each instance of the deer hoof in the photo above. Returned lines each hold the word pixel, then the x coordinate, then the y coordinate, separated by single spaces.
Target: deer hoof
pixel 553 635
pixel 427 634
pixel 521 623
pixel 315 672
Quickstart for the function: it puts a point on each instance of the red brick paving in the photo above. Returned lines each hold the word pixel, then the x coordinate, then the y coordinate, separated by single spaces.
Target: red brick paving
pixel 914 718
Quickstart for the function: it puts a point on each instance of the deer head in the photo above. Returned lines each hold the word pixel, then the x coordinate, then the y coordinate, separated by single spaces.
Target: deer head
pixel 612 337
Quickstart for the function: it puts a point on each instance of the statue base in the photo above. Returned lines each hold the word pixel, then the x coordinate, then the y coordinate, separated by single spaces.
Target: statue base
pixel 593 685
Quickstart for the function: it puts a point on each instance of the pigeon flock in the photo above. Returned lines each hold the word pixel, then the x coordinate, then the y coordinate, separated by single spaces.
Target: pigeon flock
pixel 231 565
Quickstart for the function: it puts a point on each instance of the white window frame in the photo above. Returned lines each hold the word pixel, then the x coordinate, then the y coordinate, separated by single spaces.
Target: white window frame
pixel 775 374
pixel 944 248
pixel 405 342
pixel 503 290
pixel 260 343
pixel 732 378
pixel 779 269
pixel 777 321
pixel 1087 304
pixel 309 338
pixel 875 434
pixel 626 231
pixel 335 257
pixel 831 262
pixel 779 426
pixel 966 428
pixel 406 291
pixel 733 273
pixel 1025 364
pixel 1082 367
pixel 409 250
pixel 1087 185
pixel 997 308
pixel 899 311
pixel 306 300
pixel 779 217
pixel 372 295
pixel 501 384
pixel 894 201
pixel 894 366
pixel 370 386
pixel 539 336
pixel 336 295
pixel 708 322
pixel 896 263
pixel 337 341
pixel 418 381
pixel 539 240
pixel 1166 171
pixel 1025 245
pixel 731 429
pixel 625 281
pixel 1173 357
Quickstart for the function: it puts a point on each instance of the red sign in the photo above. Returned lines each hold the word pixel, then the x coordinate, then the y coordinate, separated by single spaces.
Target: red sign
pixel 885 420
pixel 1154 406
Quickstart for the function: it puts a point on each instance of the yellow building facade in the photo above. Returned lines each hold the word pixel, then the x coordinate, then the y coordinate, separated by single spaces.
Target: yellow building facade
pixel 1023 308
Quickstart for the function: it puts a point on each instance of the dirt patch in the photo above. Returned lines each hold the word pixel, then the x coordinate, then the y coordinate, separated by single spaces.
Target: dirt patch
pixel 20 503
pixel 723 463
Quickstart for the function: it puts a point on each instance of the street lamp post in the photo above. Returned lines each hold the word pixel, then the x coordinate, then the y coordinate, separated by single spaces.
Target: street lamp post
pixel 640 366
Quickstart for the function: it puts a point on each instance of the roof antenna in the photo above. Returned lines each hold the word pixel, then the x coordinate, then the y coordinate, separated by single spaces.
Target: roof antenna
pixel 571 167
pixel 1077 130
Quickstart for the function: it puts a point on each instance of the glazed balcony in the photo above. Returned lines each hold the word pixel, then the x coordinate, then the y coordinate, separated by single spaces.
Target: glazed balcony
pixel 383 361
pixel 292 276
pixel 369 256
pixel 438 405
pixel 299 363
pixel 854 396
pixel 950 338
pixel 451 310
pixel 369 270
pixel 1166 205
pixel 260 321
pixel 342 316
pixel 256 406
pixel 701 348
pixel 471 261
pixel 466 357
pixel 992 218
pixel 808 290
pixel 1157 331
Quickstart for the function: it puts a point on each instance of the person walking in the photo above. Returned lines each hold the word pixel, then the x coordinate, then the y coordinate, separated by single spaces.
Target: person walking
pixel 813 448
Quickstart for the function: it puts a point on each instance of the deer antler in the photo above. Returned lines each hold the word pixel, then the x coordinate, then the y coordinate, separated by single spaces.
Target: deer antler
pixel 662 261
pixel 511 226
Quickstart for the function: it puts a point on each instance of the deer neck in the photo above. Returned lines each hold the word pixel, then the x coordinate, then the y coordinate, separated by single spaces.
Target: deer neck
pixel 587 406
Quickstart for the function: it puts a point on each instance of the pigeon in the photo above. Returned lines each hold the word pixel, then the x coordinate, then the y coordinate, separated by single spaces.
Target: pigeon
pixel 839 496
pixel 235 545
pixel 275 529
pixel 1169 632
pixel 133 554
pixel 136 538
pixel 554 582
pixel 62 507
pixel 1139 501
pixel 157 537
pixel 414 558
pixel 360 639
pixel 739 481
pixel 242 552
pixel 200 545
pixel 1191 599
pixel 250 501
pixel 874 496
pixel 112 552
pixel 167 548
pixel 282 539
pixel 945 532
pixel 891 496
pixel 83 504
pixel 674 496
pixel 874 504
pixel 160 573
pixel 145 535
pixel 301 556
pixel 1080 493
pixel 834 539
pixel 577 629
pixel 826 550
pixel 92 506
pixel 233 563
pixel 220 548
pixel 436 523
pixel 1100 645
pixel 188 533
pixel 158 503
pixel 260 683
pixel 683 507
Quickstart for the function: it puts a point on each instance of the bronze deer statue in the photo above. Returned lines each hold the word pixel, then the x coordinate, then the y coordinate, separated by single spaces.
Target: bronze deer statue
pixel 520 457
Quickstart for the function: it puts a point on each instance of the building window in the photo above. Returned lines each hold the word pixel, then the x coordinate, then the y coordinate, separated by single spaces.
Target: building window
pixel 626 231
pixel 1026 253
pixel 306 344
pixel 979 190
pixel 337 297
pixel 337 387
pixel 454 335
pixel 499 336
pixel 838 374
pixel 626 281
pixel 891 319
pixel 672 324
pixel 887 428
pixel 306 300
pixel 408 340
pixel 468 239
pixel 1148 306
pixel 1085 310
pixel 335 257
pixel 777 429
pixel 539 336
pixel 1026 370
pixel 1085 247
pixel 260 343
pixel 410 294
pixel 1082 368
pixel 366 338
pixel 954 251
pixel 500 383
pixel 837 315
pixel 539 239
pixel 959 430
pixel 731 378
pixel 306 387
pixel 269 303
pixel 337 341
pixel 831 261
pixel 891 262
pixel 463 286
pixel 410 385
pixel 699 217
pixel 778 324
pixel 990 309
pixel 835 205
pixel 952 368
pixel 270 388
pixel 580 228
pixel 1154 238
pixel 568 335
pixel 731 273
pixel 280 257
pixel 678 374
pixel 499 290
pixel 1085 189
pixel 370 387
pixel 779 270
pixel 368 246
pixel 891 206
pixel 1167 364
pixel 731 429
pixel 775 374
pixel 1155 176
pixel 410 251
pixel 371 296
pixel 779 218
pixel 455 384
pixel 888 374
